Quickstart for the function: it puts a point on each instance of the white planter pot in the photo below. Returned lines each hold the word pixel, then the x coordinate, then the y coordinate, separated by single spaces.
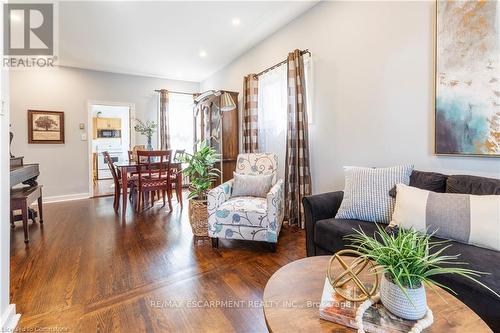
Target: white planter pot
pixel 393 298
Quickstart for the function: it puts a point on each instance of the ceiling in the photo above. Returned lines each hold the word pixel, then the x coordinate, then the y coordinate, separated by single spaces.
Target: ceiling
pixel 177 40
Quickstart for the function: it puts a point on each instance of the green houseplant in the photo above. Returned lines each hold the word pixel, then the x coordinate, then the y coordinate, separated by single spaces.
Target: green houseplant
pixel 147 129
pixel 202 173
pixel 408 260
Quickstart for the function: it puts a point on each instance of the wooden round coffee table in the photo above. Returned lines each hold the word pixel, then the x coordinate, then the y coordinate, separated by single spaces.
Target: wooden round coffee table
pixel 293 293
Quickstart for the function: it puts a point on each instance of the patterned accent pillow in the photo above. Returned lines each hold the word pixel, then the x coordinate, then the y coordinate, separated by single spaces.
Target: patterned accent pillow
pixel 366 192
pixel 466 218
pixel 251 185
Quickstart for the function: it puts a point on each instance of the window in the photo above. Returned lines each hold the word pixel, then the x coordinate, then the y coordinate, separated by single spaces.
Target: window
pixel 273 105
pixel 308 77
pixel 272 112
pixel 180 112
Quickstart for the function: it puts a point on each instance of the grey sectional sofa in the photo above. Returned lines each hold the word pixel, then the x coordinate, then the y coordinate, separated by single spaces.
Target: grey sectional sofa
pixel 324 235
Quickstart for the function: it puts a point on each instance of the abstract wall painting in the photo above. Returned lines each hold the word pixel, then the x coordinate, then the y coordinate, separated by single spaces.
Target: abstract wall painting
pixel 468 78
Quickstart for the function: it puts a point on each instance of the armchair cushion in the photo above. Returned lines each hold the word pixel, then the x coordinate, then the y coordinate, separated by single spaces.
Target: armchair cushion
pixel 251 185
pixel 245 211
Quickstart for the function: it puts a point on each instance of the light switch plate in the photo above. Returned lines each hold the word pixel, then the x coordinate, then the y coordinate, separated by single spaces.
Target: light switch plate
pixel 84 137
pixel 82 125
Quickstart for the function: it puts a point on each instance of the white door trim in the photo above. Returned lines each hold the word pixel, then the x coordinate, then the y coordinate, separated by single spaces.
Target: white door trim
pixel 90 133
pixel 8 316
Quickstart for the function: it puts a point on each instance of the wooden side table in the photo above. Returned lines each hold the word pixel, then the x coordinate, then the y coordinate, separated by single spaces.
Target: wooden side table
pixel 21 199
pixel 293 293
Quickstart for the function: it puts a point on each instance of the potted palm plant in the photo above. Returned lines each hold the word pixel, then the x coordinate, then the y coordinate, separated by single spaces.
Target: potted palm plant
pixel 202 173
pixel 408 260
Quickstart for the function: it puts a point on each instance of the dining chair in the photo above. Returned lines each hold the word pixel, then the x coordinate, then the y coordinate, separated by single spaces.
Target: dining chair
pixel 131 183
pixel 132 154
pixel 154 175
pixel 174 176
pixel 94 168
pixel 178 153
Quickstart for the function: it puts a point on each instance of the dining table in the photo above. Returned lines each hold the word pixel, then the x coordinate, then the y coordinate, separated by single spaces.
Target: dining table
pixel 127 167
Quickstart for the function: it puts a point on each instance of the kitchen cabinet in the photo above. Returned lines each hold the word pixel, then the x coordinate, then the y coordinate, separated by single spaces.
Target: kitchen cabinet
pixel 106 123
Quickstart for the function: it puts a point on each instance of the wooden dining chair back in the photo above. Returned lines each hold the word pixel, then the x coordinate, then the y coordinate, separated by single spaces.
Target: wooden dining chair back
pixel 178 153
pixel 109 162
pixel 116 179
pixel 132 155
pixel 154 174
pixel 176 178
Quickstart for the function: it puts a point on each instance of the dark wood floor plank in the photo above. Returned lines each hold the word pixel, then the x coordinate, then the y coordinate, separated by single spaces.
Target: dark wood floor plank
pixel 88 270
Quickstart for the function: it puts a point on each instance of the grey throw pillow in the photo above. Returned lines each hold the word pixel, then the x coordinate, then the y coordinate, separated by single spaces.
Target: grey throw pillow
pixel 366 192
pixel 466 218
pixel 251 185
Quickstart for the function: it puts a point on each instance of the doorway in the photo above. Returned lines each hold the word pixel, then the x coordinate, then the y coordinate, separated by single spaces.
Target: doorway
pixel 109 131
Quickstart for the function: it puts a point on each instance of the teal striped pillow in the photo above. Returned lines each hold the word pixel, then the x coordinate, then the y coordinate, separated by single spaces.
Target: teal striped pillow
pixel 366 192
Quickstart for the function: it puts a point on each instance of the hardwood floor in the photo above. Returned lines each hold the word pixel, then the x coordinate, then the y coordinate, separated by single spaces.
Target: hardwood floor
pixel 103 187
pixel 86 270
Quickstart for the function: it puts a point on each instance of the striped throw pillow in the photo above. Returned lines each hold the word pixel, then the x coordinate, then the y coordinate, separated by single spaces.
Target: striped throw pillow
pixel 466 218
pixel 366 192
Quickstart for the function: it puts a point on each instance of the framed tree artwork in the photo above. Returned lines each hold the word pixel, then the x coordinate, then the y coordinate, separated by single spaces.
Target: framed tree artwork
pixel 45 127
pixel 467 118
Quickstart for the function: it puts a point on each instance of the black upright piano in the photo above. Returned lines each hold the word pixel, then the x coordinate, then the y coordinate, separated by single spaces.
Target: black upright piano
pixel 26 174
pixel 21 173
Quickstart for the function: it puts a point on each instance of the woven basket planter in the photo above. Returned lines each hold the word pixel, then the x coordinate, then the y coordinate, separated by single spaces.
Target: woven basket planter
pixel 198 217
pixel 393 298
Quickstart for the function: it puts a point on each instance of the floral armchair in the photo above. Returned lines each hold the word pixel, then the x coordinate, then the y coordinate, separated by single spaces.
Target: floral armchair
pixel 251 218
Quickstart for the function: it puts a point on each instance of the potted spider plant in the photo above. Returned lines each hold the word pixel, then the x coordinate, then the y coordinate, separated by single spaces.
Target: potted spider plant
pixel 202 174
pixel 408 260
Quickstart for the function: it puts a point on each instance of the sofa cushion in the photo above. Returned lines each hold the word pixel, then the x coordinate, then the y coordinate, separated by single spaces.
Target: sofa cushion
pixel 478 298
pixel 472 185
pixel 462 217
pixel 430 181
pixel 366 192
pixel 329 233
pixel 477 258
pixel 243 211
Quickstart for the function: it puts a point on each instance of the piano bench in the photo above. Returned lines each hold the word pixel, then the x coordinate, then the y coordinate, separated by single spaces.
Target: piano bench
pixel 21 199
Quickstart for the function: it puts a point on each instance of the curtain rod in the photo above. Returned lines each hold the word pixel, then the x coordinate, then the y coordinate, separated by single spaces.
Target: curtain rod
pixel 186 93
pixel 306 51
pixel 176 92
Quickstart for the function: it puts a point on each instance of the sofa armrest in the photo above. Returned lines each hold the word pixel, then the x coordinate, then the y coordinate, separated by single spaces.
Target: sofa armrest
pixel 218 195
pixel 275 210
pixel 319 207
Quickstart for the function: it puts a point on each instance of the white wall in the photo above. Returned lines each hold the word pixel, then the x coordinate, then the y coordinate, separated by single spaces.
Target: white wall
pixel 64 168
pixel 373 81
pixel 4 198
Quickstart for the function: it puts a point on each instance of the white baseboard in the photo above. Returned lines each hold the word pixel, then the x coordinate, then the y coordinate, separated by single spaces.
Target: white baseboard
pixel 9 319
pixel 67 197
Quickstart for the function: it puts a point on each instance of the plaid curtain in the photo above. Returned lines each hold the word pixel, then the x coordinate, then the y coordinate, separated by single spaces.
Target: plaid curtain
pixel 250 120
pixel 163 132
pixel 297 172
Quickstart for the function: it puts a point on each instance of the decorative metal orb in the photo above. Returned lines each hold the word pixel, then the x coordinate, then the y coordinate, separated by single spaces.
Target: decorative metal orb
pixel 352 276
